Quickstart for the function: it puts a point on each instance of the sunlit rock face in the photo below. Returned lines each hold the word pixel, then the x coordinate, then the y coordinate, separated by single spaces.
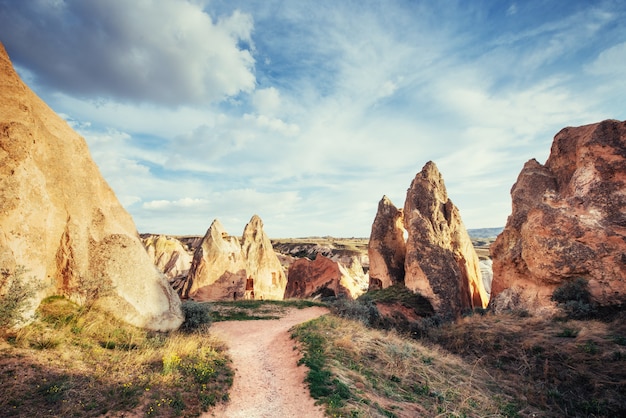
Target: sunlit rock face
pixel 169 255
pixel 387 247
pixel 441 263
pixel 225 269
pixel 568 221
pixel 324 277
pixel 60 219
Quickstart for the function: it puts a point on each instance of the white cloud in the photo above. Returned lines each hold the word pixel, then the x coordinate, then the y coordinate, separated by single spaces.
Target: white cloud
pixel 267 101
pixel 167 51
pixel 611 61
pixel 186 202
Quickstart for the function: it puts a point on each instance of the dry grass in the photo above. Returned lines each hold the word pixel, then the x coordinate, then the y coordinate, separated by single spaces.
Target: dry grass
pixel 76 363
pixel 561 368
pixel 373 373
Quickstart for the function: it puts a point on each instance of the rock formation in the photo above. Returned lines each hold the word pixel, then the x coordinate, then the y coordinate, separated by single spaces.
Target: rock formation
pixel 60 219
pixel 568 221
pixel 169 255
pixel 323 277
pixel 264 268
pixel 387 247
pixel 441 263
pixel 223 269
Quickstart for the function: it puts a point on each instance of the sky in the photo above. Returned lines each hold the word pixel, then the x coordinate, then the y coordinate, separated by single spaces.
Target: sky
pixel 307 112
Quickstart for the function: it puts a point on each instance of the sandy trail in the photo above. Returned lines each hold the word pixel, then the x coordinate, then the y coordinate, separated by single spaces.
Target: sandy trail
pixel 268 381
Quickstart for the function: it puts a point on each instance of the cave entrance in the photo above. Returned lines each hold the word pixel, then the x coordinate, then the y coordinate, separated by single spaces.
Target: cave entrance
pixel 249 293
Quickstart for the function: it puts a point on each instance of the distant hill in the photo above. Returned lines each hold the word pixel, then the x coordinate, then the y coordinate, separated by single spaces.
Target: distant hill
pixel 484 232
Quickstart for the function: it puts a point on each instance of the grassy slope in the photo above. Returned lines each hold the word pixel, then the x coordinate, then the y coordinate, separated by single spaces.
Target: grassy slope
pixel 75 363
pixel 482 365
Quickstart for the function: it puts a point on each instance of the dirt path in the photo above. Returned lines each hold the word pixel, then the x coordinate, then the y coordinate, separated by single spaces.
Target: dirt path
pixel 268 381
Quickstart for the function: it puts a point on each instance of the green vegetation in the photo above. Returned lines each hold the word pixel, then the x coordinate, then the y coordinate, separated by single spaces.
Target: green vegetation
pixel 574 300
pixel 75 361
pixel 356 371
pixel 197 316
pixel 16 293
pixel 246 310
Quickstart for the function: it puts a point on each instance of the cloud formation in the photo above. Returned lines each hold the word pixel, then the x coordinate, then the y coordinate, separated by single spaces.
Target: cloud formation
pixel 162 51
pixel 307 112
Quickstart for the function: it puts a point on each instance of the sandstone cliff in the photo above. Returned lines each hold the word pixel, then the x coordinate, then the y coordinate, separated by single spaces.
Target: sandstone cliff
pixel 387 246
pixel 324 277
pixel 440 262
pixel 60 219
pixel 223 269
pixel 568 221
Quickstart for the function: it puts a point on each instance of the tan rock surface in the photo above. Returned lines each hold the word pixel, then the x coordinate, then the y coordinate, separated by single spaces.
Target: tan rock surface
pixel 169 255
pixel 441 263
pixel 263 266
pixel 322 277
pixel 387 246
pixel 60 219
pixel 224 269
pixel 568 220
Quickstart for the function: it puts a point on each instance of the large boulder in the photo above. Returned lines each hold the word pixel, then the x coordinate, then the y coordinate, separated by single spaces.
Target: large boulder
pixel 568 221
pixel 62 222
pixel 224 269
pixel 323 277
pixel 387 246
pixel 441 263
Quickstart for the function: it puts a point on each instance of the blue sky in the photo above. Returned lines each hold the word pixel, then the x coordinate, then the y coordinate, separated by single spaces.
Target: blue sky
pixel 308 112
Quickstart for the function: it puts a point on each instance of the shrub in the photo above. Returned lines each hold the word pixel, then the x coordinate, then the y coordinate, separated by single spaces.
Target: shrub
pixel 197 316
pixel 574 299
pixel 359 310
pixel 16 294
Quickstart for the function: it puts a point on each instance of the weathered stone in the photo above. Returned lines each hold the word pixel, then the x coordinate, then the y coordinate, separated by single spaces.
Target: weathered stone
pixel 169 255
pixel 568 220
pixel 263 266
pixel 387 247
pixel 441 263
pixel 60 219
pixel 223 269
pixel 321 277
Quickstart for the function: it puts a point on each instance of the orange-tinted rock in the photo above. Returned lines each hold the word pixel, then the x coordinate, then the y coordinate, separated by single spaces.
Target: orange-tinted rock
pixel 387 247
pixel 568 220
pixel 320 277
pixel 60 219
pixel 441 263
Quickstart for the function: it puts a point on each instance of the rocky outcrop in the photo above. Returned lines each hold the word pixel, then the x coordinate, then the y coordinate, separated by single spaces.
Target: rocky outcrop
pixel 169 256
pixel 263 266
pixel 568 221
pixel 440 262
pixel 223 269
pixel 387 246
pixel 60 219
pixel 323 277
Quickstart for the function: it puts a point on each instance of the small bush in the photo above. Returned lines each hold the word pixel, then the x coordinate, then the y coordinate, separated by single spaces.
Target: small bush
pixel 360 310
pixel 16 293
pixel 574 299
pixel 197 316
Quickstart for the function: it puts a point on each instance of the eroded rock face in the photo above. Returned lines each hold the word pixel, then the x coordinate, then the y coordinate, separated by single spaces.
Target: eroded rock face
pixel 568 220
pixel 264 268
pixel 169 255
pixel 387 247
pixel 60 219
pixel 441 263
pixel 224 269
pixel 323 277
